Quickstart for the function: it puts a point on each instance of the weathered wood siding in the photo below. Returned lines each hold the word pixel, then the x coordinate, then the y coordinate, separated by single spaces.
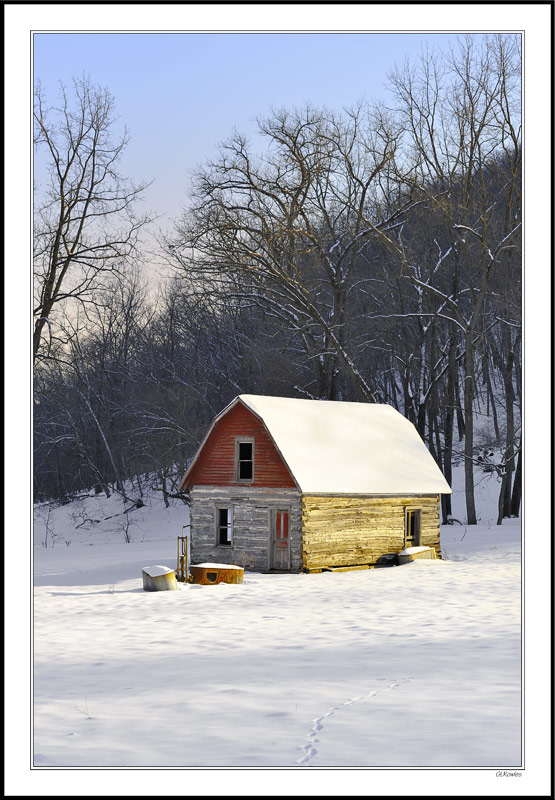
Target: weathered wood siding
pixel 251 509
pixel 339 531
pixel 216 462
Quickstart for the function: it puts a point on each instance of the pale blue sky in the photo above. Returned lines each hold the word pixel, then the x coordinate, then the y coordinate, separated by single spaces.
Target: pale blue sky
pixel 181 93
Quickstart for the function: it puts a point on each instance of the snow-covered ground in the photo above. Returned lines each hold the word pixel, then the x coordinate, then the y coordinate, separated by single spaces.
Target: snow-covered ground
pixel 411 666
pixel 417 665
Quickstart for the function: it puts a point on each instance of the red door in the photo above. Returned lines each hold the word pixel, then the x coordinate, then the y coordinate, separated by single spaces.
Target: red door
pixel 280 559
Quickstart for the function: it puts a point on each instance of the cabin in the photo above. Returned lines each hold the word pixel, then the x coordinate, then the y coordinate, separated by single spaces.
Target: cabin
pixel 291 485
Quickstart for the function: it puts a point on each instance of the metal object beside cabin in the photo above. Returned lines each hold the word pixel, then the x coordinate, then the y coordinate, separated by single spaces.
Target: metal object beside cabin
pixel 157 578
pixel 207 574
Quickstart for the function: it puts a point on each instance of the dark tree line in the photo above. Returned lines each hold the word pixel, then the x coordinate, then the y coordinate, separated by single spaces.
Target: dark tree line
pixel 369 255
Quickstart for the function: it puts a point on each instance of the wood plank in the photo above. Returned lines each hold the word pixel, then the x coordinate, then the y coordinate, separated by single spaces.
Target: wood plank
pixel 341 531
pixel 346 569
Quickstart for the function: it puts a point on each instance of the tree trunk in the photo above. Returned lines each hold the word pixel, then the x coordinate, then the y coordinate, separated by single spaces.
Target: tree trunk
pixel 448 430
pixel 491 401
pixel 458 409
pixel 165 491
pixel 502 492
pixel 119 482
pixel 469 432
pixel 517 486
pixel 510 435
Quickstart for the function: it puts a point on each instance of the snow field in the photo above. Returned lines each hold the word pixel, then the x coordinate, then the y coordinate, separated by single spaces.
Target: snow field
pixel 416 665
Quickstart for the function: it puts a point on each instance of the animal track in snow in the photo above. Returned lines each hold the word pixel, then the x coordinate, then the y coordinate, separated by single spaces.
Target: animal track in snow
pixel 310 749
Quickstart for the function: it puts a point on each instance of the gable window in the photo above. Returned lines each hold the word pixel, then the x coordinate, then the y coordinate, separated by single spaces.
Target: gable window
pixel 224 528
pixel 412 527
pixel 244 460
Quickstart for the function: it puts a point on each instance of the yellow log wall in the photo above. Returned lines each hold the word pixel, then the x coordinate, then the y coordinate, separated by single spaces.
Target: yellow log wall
pixel 341 531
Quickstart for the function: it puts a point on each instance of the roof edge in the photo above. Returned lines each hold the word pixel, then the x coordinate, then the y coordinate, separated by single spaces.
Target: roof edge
pixel 376 494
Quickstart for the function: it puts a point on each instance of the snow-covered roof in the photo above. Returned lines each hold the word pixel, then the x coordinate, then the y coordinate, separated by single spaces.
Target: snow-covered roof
pixel 358 448
pixel 333 447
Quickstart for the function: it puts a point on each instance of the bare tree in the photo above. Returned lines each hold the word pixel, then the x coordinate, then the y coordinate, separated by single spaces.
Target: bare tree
pixel 363 255
pixel 85 225
pixel 284 231
pixel 462 116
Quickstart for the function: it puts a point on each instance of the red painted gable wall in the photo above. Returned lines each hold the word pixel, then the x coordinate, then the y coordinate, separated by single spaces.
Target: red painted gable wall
pixel 215 465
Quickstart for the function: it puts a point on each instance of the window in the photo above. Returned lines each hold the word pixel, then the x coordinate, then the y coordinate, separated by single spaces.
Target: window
pixel 224 527
pixel 412 527
pixel 244 459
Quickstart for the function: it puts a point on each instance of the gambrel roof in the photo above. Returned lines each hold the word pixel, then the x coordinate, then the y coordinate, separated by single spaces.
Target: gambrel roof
pixel 333 447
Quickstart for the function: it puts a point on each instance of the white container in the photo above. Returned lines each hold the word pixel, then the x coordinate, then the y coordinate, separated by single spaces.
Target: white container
pixel 157 578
